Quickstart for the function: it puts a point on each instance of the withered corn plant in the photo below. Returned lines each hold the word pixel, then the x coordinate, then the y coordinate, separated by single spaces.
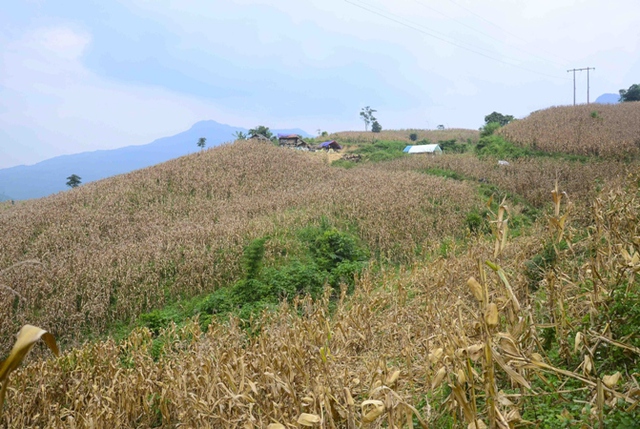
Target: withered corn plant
pixel 592 129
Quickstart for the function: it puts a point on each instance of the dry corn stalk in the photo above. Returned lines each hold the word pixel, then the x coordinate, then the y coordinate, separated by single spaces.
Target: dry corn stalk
pixel 26 339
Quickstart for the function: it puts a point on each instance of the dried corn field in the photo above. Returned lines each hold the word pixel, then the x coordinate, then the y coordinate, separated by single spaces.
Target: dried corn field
pixel 459 134
pixel 113 249
pixel 592 129
pixel 530 178
pixel 408 349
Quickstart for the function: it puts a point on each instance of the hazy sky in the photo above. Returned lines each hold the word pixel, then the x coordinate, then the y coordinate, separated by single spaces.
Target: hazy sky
pixel 98 74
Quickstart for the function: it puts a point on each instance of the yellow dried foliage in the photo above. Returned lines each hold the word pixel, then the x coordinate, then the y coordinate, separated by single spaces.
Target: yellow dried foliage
pixel 591 129
pixel 115 248
pixel 27 337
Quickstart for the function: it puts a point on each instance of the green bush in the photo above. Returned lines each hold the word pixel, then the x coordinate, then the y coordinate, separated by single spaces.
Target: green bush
pixel 477 222
pixel 452 146
pixel 489 129
pixel 498 147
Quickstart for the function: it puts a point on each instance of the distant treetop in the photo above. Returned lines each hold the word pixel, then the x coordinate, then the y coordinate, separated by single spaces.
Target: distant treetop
pixel 499 118
pixel 631 94
pixel 262 131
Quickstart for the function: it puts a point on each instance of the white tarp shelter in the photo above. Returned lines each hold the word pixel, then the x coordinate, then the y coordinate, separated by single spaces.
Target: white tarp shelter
pixel 424 148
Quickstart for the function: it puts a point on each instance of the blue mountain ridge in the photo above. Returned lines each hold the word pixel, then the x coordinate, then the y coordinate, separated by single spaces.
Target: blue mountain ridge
pixel 49 176
pixel 608 99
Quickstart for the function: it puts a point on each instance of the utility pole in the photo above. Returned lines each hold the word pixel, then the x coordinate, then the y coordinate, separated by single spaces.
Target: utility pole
pixel 574 82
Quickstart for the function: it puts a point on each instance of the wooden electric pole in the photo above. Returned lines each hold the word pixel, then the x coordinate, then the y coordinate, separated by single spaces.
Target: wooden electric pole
pixel 574 82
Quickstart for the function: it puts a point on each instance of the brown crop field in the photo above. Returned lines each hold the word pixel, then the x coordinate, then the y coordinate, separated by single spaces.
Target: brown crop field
pixel 591 129
pixel 433 136
pixel 427 346
pixel 517 325
pixel 530 178
pixel 113 249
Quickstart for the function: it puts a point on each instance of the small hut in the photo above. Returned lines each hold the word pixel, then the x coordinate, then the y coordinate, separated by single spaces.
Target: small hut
pixel 432 149
pixel 331 144
pixel 259 137
pixel 293 141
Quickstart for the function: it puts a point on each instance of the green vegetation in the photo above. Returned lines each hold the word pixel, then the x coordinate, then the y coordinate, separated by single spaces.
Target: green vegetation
pixel 239 135
pixel 497 147
pixel 498 118
pixel 261 130
pixel 384 150
pixel 74 181
pixel 367 116
pixel 202 141
pixel 631 94
pixel 454 146
pixel 325 256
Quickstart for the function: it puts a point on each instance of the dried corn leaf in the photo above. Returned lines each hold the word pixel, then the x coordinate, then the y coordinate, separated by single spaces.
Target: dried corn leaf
pixel 438 378
pixel 372 409
pixel 392 378
pixel 309 419
pixel 512 373
pixel 476 289
pixel 578 342
pixel 27 337
pixel 461 377
pixel 611 380
pixel 475 351
pixel 491 314
pixel 435 355
pixel 478 424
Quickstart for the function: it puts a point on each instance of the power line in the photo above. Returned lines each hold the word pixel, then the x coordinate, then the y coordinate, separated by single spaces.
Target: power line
pixel 487 34
pixel 502 29
pixel 574 82
pixel 420 29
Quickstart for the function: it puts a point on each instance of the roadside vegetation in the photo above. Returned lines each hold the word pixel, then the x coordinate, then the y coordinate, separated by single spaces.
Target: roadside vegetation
pixel 254 286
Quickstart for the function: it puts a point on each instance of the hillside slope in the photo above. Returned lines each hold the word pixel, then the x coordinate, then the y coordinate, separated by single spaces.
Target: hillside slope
pixel 115 248
pixel 595 129
pixel 49 176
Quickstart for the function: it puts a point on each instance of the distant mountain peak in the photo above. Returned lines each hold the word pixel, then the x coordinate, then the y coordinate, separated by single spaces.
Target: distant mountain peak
pixel 608 99
pixel 48 176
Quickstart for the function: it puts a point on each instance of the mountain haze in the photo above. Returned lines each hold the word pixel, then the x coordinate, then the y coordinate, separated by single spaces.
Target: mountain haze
pixel 608 99
pixel 49 176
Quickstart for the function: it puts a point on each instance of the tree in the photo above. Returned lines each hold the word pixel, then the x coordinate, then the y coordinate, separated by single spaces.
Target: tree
pixel 367 116
pixel 261 130
pixel 499 118
pixel 413 137
pixel 239 135
pixel 440 127
pixel 376 127
pixel 631 94
pixel 202 141
pixel 74 181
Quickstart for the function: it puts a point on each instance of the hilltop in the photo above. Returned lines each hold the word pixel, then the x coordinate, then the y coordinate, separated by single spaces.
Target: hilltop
pixel 591 130
pixel 49 176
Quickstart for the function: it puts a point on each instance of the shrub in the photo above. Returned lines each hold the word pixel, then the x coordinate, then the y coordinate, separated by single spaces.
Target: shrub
pixel 489 129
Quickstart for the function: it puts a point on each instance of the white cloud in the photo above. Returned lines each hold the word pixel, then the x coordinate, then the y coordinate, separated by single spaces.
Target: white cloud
pixel 53 105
